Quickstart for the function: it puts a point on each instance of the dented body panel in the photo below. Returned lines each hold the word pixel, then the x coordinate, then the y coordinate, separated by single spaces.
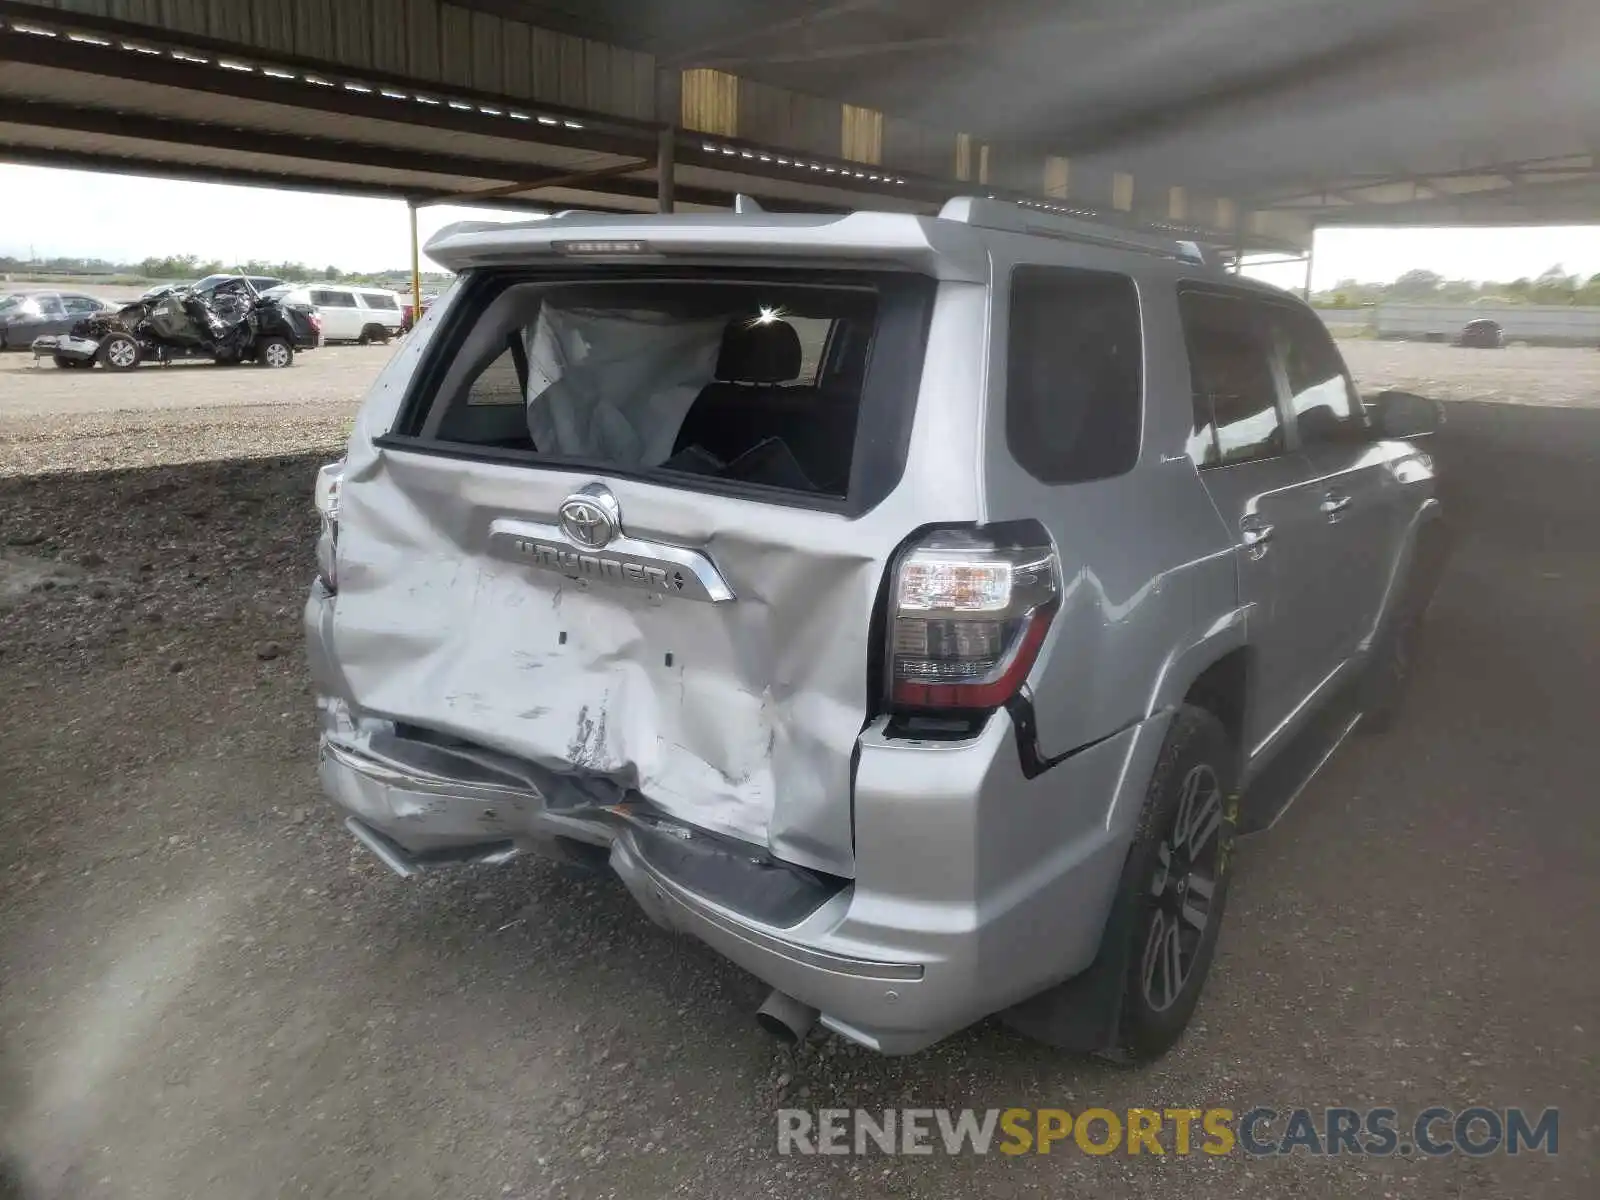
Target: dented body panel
pixel 680 671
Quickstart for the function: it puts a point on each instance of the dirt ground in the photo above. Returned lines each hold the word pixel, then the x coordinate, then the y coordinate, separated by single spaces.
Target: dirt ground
pixel 206 990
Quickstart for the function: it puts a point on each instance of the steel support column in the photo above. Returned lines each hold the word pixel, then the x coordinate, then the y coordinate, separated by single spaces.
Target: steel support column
pixel 666 160
pixel 416 267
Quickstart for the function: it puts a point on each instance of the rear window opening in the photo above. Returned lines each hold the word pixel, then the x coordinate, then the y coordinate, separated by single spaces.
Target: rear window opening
pixel 794 382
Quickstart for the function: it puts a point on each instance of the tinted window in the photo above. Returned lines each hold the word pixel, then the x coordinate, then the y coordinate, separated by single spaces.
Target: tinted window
pixel 379 300
pixel 340 299
pixel 1325 406
pixel 1073 374
pixel 1230 374
pixel 81 305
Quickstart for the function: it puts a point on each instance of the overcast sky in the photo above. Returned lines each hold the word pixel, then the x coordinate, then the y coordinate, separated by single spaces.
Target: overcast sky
pixel 126 218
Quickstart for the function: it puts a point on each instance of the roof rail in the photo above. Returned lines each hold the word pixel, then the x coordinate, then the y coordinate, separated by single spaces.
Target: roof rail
pixel 1071 224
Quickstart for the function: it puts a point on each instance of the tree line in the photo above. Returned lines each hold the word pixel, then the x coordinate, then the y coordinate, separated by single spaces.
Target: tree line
pixel 191 266
pixel 1555 286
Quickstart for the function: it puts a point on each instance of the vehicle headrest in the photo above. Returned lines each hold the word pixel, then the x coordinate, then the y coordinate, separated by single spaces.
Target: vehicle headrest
pixel 758 353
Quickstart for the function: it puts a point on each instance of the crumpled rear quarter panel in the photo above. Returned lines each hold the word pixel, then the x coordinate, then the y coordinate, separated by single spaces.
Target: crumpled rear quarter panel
pixel 740 717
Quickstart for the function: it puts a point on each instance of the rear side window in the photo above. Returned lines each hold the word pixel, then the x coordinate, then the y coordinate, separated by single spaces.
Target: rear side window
pixel 708 379
pixel 1074 374
pixel 1234 391
pixel 1326 407
pixel 380 300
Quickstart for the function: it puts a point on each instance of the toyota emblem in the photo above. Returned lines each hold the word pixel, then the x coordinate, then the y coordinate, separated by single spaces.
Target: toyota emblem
pixel 590 517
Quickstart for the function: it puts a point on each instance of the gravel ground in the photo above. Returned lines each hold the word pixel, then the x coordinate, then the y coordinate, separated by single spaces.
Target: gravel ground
pixel 206 991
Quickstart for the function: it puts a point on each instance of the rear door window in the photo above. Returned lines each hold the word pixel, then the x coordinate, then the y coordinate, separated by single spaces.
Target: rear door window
pixel 708 379
pixel 1233 387
pixel 1074 373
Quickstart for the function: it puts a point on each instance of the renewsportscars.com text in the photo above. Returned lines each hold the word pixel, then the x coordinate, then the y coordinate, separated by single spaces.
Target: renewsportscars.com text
pixel 1435 1132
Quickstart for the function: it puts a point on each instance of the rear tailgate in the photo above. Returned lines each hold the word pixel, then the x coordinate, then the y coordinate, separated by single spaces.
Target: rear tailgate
pixel 730 697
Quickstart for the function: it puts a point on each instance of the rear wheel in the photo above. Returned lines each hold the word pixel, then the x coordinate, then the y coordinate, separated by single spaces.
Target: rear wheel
pixel 1175 882
pixel 274 352
pixel 119 352
pixel 373 333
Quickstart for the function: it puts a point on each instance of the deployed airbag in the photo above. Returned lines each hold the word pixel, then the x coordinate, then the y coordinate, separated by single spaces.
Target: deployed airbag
pixel 612 385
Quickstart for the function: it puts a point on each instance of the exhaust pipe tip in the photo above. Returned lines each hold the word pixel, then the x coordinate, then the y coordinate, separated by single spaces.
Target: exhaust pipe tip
pixel 786 1018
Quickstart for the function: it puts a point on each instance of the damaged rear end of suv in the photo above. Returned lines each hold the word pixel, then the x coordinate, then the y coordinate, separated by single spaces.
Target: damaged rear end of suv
pixel 743 554
pixel 604 566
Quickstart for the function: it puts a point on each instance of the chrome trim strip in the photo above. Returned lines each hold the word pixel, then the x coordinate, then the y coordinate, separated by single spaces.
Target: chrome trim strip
pixel 630 562
pixel 1315 771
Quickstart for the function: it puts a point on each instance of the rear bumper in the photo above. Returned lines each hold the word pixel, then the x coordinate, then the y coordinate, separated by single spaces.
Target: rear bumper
pixel 885 966
pixel 975 887
pixel 65 346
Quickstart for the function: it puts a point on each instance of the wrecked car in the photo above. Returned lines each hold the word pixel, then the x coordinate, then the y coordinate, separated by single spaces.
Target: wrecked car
pixel 227 322
pixel 912 609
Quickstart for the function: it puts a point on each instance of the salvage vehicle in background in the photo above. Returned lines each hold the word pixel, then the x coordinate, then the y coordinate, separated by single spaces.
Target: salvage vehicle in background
pixel 349 314
pixel 25 316
pixel 912 609
pixel 227 324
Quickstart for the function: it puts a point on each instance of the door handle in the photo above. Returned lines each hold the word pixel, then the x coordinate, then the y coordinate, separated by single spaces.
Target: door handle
pixel 1335 503
pixel 1257 536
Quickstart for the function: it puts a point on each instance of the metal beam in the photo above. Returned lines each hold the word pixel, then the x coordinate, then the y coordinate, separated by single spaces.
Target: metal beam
pixel 570 179
pixel 262 143
pixel 77 160
pixel 339 96
pixel 110 27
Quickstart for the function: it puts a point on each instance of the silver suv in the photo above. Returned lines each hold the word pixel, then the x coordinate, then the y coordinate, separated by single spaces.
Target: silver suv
pixel 910 608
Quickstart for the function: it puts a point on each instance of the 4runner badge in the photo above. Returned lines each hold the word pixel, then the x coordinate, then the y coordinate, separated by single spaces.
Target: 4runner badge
pixel 566 549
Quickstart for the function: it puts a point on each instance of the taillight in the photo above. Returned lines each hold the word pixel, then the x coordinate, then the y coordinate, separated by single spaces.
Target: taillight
pixel 329 481
pixel 969 609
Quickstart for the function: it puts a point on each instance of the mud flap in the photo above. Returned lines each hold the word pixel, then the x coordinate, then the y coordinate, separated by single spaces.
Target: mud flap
pixel 1083 1015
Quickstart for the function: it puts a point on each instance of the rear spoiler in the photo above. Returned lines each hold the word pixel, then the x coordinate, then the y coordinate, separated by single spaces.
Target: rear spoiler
pixel 942 249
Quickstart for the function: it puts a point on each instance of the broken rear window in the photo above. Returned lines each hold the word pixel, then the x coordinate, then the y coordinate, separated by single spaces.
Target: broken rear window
pixel 795 381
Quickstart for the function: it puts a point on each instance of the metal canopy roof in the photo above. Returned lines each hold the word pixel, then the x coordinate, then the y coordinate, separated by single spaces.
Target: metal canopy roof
pixel 1427 111
pixel 1237 122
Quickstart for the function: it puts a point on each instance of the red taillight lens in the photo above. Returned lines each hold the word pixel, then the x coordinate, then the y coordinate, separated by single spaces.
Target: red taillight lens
pixel 969 610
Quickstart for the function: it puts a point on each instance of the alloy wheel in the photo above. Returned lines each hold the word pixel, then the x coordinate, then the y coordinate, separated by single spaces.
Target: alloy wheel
pixel 1182 888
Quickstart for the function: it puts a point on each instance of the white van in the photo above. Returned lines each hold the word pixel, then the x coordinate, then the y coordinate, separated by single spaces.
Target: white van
pixel 349 314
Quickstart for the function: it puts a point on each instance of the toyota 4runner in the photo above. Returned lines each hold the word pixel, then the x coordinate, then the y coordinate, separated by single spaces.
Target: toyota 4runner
pixel 913 609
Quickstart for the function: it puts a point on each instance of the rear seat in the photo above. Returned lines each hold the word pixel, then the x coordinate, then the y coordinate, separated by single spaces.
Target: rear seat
pixel 750 400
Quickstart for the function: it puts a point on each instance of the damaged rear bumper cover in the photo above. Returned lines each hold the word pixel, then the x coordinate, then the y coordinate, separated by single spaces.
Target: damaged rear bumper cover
pixel 893 963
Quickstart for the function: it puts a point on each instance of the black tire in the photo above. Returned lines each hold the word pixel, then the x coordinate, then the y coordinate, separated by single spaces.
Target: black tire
pixel 72 364
pixel 119 352
pixel 1185 838
pixel 373 333
pixel 274 352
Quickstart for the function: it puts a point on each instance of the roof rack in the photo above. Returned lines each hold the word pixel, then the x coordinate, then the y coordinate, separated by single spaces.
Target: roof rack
pixel 1071 224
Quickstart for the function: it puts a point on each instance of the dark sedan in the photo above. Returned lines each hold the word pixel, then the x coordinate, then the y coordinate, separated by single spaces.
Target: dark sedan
pixel 28 315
